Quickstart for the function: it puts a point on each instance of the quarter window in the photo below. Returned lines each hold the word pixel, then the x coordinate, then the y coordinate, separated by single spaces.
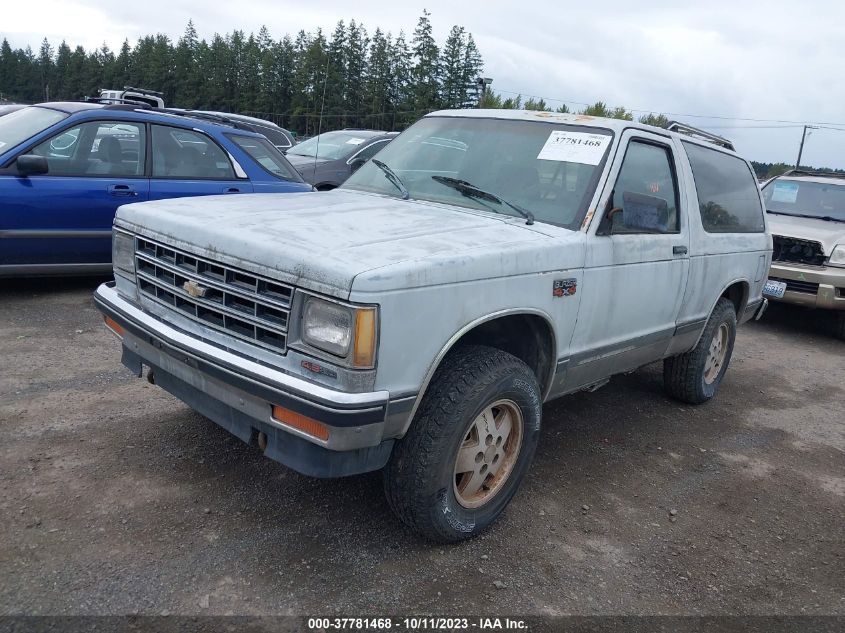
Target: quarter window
pixel 179 153
pixel 97 148
pixel 646 184
pixel 266 155
pixel 728 195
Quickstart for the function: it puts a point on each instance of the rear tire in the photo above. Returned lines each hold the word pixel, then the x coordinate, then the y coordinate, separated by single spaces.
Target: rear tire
pixel 468 447
pixel 695 376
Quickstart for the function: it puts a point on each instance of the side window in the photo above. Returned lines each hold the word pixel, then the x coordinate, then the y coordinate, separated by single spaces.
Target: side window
pixel 728 195
pixel 266 155
pixel 645 198
pixel 180 153
pixel 371 150
pixel 97 148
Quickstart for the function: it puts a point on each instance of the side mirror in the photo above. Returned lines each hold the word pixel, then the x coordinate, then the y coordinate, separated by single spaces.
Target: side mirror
pixel 32 165
pixel 645 213
pixel 356 164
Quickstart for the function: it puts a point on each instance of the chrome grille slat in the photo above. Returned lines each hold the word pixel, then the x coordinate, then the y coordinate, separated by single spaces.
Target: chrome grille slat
pixel 214 283
pixel 241 304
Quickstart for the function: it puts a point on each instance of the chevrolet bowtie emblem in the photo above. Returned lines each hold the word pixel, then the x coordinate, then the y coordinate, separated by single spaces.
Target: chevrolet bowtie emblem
pixel 194 289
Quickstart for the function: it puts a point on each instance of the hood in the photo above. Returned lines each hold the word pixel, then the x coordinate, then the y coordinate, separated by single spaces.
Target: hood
pixel 827 233
pixel 323 241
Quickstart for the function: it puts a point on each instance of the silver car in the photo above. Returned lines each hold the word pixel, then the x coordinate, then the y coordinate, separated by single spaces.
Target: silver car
pixel 807 218
pixel 328 159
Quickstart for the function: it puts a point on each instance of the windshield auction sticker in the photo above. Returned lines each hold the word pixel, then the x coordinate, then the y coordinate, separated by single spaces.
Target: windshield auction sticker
pixel 355 141
pixel 785 192
pixel 574 147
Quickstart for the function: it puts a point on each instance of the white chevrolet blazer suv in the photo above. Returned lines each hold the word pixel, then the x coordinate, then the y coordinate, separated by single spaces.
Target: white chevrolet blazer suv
pixel 416 319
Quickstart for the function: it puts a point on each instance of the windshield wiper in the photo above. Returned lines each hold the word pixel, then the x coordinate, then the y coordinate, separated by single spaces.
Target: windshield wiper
pixel 392 177
pixel 827 218
pixel 471 191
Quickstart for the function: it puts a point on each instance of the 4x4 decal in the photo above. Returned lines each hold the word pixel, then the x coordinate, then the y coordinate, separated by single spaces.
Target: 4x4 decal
pixel 564 287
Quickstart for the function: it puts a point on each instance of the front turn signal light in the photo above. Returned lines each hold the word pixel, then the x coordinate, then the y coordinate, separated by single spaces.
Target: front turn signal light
pixel 301 422
pixel 113 326
pixel 364 355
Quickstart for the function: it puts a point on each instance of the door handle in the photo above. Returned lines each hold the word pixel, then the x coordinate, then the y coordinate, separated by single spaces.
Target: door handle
pixel 679 250
pixel 231 190
pixel 122 190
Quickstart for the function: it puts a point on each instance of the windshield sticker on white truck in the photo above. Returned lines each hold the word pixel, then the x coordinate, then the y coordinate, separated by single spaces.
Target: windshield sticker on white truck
pixel 355 141
pixel 574 147
pixel 785 192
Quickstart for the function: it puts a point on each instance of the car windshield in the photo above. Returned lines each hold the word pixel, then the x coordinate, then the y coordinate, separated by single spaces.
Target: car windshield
pixel 805 198
pixel 266 155
pixel 546 168
pixel 18 126
pixel 330 145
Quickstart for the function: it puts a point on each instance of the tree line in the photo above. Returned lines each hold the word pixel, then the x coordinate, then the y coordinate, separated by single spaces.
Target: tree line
pixel 305 82
pixel 349 78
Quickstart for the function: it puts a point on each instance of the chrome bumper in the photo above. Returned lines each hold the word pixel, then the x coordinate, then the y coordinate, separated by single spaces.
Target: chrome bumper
pixel 238 394
pixel 830 282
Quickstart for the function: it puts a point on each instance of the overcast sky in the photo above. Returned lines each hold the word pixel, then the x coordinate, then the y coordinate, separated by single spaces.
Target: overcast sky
pixel 722 58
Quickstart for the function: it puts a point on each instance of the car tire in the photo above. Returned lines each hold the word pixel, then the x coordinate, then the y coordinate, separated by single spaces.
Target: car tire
pixel 477 391
pixel 695 376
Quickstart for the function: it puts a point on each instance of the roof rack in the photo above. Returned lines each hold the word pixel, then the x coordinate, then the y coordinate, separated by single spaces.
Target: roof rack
pixel 119 104
pixel 816 174
pixel 205 116
pixel 154 93
pixel 694 132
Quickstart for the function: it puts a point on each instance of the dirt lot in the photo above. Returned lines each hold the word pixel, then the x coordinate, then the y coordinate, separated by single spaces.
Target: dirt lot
pixel 115 498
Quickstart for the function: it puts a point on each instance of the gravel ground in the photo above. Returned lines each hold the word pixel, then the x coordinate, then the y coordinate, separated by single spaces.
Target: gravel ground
pixel 115 498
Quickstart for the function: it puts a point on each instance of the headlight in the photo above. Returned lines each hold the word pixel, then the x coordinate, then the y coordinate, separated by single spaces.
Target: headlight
pixel 123 251
pixel 344 331
pixel 837 256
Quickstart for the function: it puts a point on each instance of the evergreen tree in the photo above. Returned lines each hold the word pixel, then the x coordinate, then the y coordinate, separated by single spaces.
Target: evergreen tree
pixel 379 82
pixel 425 73
pixel 657 120
pixel 452 64
pixel 47 69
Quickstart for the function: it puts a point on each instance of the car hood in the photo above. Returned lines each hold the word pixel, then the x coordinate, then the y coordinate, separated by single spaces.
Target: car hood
pixel 323 241
pixel 827 233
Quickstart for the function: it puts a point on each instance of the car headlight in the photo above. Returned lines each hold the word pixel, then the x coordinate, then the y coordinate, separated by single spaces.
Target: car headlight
pixel 123 251
pixel 837 256
pixel 348 332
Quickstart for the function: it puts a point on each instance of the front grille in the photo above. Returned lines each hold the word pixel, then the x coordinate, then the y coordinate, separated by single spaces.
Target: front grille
pixel 792 249
pixel 792 285
pixel 233 301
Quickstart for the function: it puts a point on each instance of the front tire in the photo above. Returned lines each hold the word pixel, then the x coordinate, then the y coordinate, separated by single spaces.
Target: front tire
pixel 469 446
pixel 695 376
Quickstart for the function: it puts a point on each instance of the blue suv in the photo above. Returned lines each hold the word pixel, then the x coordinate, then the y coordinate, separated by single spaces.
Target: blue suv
pixel 66 167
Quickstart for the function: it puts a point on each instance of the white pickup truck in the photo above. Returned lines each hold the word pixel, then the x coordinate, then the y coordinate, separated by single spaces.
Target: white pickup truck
pixel 416 319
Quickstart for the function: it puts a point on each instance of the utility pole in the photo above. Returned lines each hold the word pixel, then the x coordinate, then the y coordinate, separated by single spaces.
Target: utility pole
pixel 801 147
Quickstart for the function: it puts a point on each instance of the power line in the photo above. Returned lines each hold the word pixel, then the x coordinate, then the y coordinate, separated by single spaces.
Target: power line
pixel 683 114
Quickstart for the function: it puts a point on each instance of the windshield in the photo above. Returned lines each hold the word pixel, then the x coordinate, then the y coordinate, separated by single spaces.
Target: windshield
pixel 547 169
pixel 18 126
pixel 266 155
pixel 332 145
pixel 804 197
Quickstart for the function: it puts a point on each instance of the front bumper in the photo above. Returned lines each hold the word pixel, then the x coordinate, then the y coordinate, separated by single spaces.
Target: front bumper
pixel 811 286
pixel 238 394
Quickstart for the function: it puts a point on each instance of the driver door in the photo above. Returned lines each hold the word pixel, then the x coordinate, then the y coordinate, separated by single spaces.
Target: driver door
pixel 634 277
pixel 63 218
